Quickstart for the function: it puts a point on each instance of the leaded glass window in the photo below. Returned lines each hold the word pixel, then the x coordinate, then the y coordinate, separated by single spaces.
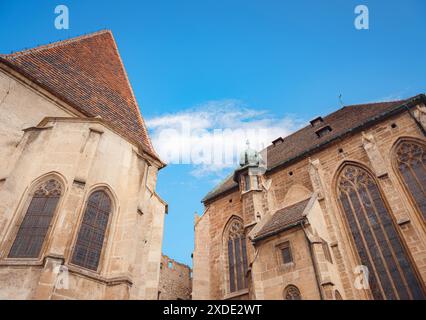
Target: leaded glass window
pixel 391 275
pixel 90 240
pixel 237 256
pixel 37 220
pixel 411 163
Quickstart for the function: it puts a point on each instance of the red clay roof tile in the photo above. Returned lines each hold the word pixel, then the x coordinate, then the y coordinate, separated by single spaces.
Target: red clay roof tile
pixel 87 73
pixel 296 145
pixel 283 219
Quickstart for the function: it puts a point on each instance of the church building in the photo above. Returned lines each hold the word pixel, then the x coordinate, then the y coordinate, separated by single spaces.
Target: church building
pixel 79 214
pixel 336 210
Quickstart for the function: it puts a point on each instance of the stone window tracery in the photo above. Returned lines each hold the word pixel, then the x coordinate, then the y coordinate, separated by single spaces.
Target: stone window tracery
pixel 237 256
pixel 291 292
pixel 37 220
pixel 91 235
pixel 411 165
pixel 391 274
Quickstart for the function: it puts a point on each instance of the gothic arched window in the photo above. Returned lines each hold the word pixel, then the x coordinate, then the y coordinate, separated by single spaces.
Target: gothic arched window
pixel 237 256
pixel 337 295
pixel 37 220
pixel 391 275
pixel 292 293
pixel 90 240
pixel 411 164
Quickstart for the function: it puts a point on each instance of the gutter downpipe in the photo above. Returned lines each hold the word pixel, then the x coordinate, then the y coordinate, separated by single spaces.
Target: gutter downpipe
pixel 314 263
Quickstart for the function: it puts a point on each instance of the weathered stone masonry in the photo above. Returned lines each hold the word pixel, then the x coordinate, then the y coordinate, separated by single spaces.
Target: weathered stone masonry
pixel 175 280
pixel 305 249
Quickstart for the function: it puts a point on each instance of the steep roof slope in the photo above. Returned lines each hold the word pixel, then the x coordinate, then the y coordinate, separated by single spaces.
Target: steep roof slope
pixel 340 122
pixel 282 219
pixel 87 73
pixel 306 140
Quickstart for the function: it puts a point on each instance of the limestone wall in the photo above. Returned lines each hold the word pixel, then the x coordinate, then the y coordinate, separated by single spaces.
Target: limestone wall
pixel 272 276
pixel 201 258
pixel 219 213
pixel 83 155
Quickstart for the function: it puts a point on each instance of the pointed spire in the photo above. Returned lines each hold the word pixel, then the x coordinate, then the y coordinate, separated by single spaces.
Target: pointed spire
pixel 249 156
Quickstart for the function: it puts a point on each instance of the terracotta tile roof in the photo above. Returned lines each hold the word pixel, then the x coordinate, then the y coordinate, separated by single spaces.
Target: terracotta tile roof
pixel 282 219
pixel 87 73
pixel 305 140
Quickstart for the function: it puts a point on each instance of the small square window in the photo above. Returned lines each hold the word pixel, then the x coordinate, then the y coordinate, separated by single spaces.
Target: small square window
pixel 286 255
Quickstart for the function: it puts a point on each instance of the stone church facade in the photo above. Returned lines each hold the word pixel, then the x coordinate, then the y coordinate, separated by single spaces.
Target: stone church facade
pixel 335 211
pixel 79 215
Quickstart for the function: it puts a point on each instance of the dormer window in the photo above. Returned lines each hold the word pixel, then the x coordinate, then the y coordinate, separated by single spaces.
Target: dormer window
pixel 277 141
pixel 323 131
pixel 317 122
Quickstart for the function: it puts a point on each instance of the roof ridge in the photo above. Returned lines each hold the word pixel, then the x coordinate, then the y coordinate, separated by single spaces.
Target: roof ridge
pixel 50 66
pixel 221 183
pixel 138 111
pixel 375 103
pixel 282 219
pixel 56 44
pixel 344 107
pixel 380 109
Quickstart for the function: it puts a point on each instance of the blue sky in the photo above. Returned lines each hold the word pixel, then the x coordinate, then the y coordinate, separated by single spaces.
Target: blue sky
pixel 230 64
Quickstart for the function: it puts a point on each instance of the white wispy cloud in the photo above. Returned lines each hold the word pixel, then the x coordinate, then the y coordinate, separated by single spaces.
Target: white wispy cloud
pixel 211 136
